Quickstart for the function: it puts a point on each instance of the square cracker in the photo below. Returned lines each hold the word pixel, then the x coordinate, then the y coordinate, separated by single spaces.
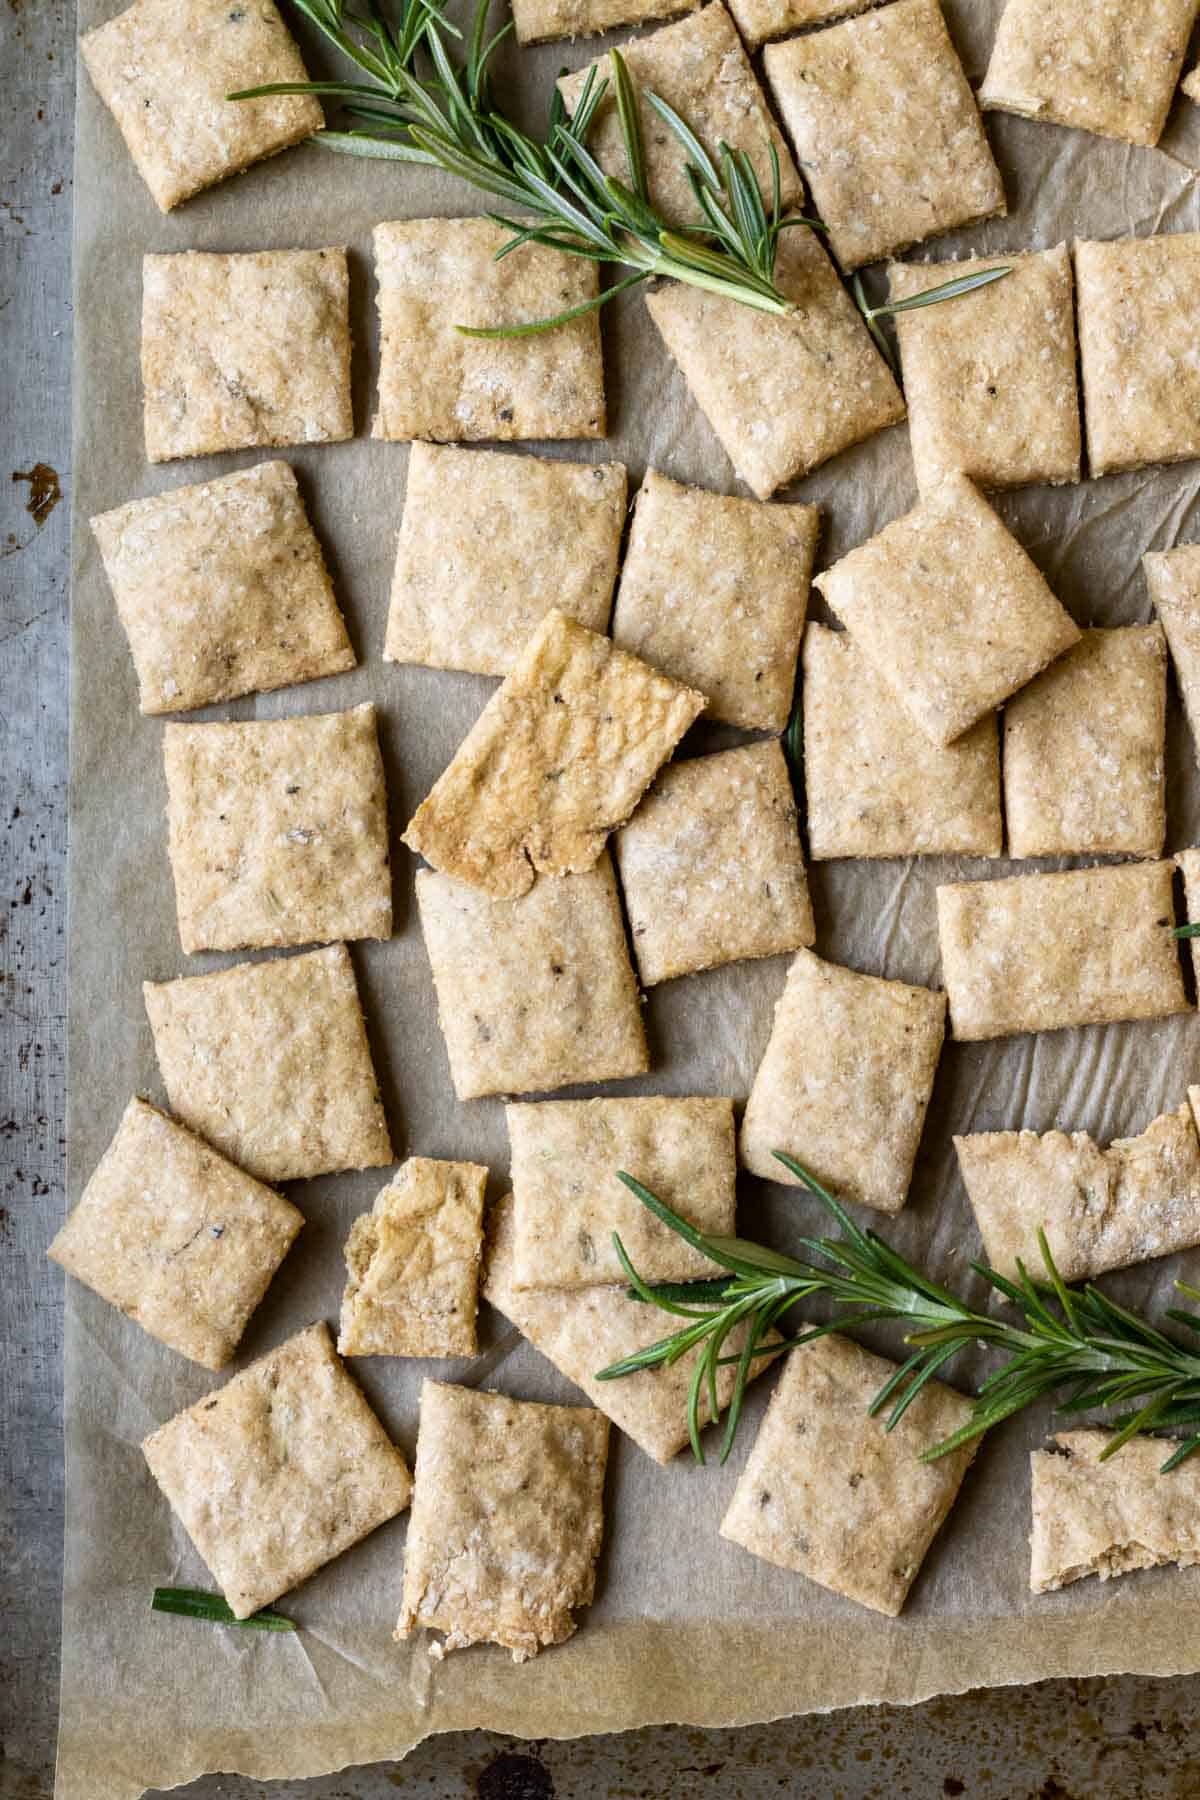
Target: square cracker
pixel 1084 750
pixel 990 377
pixel 270 1062
pixel 874 785
pixel 412 1264
pixel 245 350
pixel 279 1471
pixel 1107 1518
pixel 1141 377
pixel 437 274
pixel 1173 581
pixel 714 591
pixel 711 864
pixel 222 590
pixel 1037 952
pixel 581 1330
pixel 835 1495
pixel 278 831
pixel 845 1081
pixel 176 1237
pixel 782 395
pixel 567 1201
pixel 170 105
pixel 489 544
pixel 534 993
pixel 949 609
pixel 537 21
pixel 507 1520
pixel 559 756
pixel 1108 66
pixel 1101 1209
pixel 698 66
pixel 758 20
pixel 886 129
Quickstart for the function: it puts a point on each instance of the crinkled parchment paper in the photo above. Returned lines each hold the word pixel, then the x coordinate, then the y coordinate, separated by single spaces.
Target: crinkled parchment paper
pixel 685 1627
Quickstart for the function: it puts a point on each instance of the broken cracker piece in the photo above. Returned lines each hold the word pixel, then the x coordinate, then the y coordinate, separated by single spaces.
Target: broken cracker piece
pixel 836 1495
pixel 1092 1517
pixel 560 755
pixel 279 1471
pixel 533 993
pixel 711 864
pixel 269 1061
pixel 845 1081
pixel 175 1236
pixel 568 1201
pixel 412 1264
pixel 507 1520
pixel 1038 952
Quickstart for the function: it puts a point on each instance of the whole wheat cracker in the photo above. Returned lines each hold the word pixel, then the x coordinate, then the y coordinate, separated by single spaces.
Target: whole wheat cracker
pixel 539 21
pixel 1092 1517
pixel 279 1471
pixel 184 1243
pixel 489 543
pixel 1173 582
pixel 507 1520
pixel 1188 864
pixel 758 20
pixel 269 1061
pixel 560 755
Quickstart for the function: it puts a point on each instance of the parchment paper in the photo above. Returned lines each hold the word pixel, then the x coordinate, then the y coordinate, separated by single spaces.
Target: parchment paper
pixel 685 1627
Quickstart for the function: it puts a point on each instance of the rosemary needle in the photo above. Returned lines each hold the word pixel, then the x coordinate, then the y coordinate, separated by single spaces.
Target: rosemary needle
pixel 1073 1341
pixel 198 1603
pixel 946 290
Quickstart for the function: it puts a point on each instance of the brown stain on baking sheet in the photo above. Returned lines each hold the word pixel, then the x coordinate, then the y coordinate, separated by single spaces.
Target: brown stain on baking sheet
pixel 44 491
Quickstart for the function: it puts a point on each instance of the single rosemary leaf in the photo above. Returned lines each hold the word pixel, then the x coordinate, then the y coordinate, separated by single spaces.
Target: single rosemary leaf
pixel 198 1603
pixel 1186 931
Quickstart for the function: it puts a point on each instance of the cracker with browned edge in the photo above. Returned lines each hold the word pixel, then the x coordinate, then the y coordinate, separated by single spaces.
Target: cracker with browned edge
pixel 270 1062
pixel 714 591
pixel 533 993
pixel 990 377
pixel 833 1493
pixel 175 1236
pixel 1038 952
pixel 412 1264
pixel 277 830
pixel 949 608
pixel 845 1081
pixel 279 1471
pixel 507 1520
pixel 886 129
pixel 1085 749
pixel 568 1202
pixel 1108 66
pixel 538 21
pixel 698 66
pixel 171 103
pixel 1100 1209
pixel 1092 1517
pixel 559 756
pixel 489 543
pixel 781 395
pixel 874 784
pixel 711 864
pixel 1173 581
pixel 245 350
pixel 222 590
pixel 437 274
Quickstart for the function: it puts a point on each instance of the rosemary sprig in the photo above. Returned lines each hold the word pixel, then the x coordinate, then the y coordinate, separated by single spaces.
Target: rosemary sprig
pixel 423 104
pixel 946 290
pixel 198 1603
pixel 1073 1341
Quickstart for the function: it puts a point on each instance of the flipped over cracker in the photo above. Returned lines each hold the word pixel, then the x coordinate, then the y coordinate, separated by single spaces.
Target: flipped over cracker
pixel 568 1202
pixel 1101 1209
pixel 222 590
pixel 533 993
pixel 269 1061
pixel 412 1264
pixel 560 755
pixel 845 1081
pixel 1038 952
pixel 279 1471
pixel 1108 1518
pixel 507 1520
pixel 835 1495
pixel 175 1236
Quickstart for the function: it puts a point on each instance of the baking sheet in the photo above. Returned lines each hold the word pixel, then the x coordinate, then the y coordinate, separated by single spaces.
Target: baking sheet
pixel 685 1627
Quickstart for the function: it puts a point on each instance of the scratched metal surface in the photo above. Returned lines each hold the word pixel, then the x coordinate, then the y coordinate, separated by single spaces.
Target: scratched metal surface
pixel 1125 1739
